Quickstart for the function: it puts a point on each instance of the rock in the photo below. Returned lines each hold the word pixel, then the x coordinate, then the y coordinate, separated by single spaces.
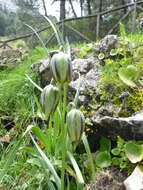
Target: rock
pixel 106 110
pixel 88 71
pixel 9 52
pixel 130 128
pixel 135 180
pixel 110 42
pixel 12 58
pixel 124 95
pixel 89 74
pixel 43 68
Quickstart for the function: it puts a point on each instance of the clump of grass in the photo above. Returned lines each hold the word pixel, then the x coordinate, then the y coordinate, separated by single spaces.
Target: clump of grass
pixel 136 38
pixel 16 92
pixel 23 173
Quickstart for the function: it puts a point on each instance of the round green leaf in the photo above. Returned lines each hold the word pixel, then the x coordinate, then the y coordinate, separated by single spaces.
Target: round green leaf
pixel 134 152
pixel 105 144
pixel 116 161
pixel 115 151
pixel 103 159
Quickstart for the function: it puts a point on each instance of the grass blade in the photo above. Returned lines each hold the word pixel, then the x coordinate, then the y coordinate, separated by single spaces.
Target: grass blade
pixel 38 87
pixel 50 185
pixel 50 166
pixel 39 39
pixel 77 170
pixel 38 132
pixel 87 148
pixel 10 158
pixel 57 32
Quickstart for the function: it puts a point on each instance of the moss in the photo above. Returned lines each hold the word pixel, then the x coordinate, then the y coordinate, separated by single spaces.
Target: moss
pixel 135 101
pixel 123 113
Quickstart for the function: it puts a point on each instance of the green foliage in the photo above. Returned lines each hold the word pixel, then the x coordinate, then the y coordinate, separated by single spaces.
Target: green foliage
pixel 21 44
pixel 134 151
pixel 49 140
pixel 129 75
pixel 108 156
pixel 103 158
pixel 16 91
pixel 119 157
pixel 101 56
pixel 136 38
pixel 124 66
pixel 135 101
pixel 105 144
pixel 43 162
pixel 86 50
pixel 23 173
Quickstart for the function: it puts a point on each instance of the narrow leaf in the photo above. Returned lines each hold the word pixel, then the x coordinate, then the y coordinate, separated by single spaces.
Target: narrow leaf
pixel 50 185
pixel 55 30
pixel 39 39
pixel 38 132
pixel 10 158
pixel 87 148
pixel 38 87
pixel 77 170
pixel 50 166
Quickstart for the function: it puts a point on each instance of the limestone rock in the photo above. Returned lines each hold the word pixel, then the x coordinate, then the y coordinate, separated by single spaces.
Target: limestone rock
pixel 43 68
pixel 135 180
pixel 12 58
pixel 110 42
pixel 89 74
pixel 129 128
pixel 88 71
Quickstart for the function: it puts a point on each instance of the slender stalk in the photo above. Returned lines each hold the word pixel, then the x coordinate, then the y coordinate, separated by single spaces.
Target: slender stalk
pixel 38 87
pixel 64 134
pixel 87 148
pixel 60 101
pixel 50 133
pixel 36 33
pixel 47 134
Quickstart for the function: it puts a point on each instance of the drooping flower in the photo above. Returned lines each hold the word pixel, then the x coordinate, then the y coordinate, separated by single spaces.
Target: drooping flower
pixel 49 100
pixel 61 67
pixel 75 124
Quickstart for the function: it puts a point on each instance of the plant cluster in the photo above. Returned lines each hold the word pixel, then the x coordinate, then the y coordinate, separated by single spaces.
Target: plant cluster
pixel 53 161
pixel 63 128
pixel 121 155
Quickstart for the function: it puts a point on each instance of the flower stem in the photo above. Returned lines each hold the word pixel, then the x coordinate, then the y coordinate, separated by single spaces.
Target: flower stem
pixel 64 134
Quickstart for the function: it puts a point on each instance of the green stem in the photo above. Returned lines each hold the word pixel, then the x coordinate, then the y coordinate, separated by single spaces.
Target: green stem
pixel 50 134
pixel 87 148
pixel 64 134
pixel 60 92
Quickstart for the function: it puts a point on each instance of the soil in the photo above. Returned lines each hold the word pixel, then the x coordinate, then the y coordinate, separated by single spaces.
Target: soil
pixel 111 178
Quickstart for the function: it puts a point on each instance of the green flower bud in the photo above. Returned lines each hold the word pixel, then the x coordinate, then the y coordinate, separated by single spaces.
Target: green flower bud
pixel 61 67
pixel 49 100
pixel 75 124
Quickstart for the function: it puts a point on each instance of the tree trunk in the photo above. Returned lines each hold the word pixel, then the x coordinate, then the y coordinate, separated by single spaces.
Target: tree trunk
pixel 89 7
pixel 81 6
pixel 62 9
pixel 44 7
pixel 70 1
pixel 100 8
pixel 123 3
